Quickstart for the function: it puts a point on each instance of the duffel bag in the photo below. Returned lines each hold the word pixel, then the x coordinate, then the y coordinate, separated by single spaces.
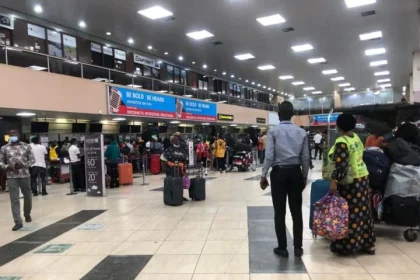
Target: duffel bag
pixel 401 211
pixel 403 180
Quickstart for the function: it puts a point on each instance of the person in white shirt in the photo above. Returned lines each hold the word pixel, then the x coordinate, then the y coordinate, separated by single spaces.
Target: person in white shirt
pixel 318 146
pixel 77 168
pixel 39 168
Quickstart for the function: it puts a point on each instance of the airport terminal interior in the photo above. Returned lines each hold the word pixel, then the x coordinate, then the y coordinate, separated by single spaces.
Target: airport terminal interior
pixel 135 137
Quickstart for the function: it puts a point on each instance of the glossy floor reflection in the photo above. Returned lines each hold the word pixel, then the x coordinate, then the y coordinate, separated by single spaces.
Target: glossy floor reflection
pixel 230 236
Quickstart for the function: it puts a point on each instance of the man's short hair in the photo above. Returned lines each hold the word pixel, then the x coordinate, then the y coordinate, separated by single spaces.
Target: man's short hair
pixel 35 140
pixel 286 111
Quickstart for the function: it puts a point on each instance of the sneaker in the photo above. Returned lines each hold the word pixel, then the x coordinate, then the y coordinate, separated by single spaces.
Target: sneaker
pixel 17 227
pixel 283 253
pixel 28 219
pixel 298 252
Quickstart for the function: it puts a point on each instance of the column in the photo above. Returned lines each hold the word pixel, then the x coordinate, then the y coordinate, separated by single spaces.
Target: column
pixel 415 90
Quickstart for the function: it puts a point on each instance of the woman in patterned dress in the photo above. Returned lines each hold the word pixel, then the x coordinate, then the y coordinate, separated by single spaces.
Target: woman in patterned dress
pixel 348 151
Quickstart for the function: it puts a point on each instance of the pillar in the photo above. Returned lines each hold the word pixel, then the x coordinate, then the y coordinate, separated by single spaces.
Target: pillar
pixel 415 90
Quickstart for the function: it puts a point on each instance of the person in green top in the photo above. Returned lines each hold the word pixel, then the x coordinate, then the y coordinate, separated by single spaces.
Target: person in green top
pixel 112 155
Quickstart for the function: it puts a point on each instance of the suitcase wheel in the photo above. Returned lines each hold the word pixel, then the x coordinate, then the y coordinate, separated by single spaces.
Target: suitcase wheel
pixel 410 235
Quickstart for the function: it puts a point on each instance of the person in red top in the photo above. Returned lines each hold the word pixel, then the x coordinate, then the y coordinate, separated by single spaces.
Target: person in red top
pixel 202 152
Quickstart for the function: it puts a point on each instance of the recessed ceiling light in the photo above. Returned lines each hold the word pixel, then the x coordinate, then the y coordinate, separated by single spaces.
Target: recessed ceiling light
pixel 266 67
pixel 270 20
pixel 244 56
pixel 384 81
pixel 246 81
pixel 38 9
pixel 349 89
pixel 232 76
pixel 253 83
pixel 329 72
pixel 316 60
pixel 385 85
pixel 337 79
pixel 302 48
pixel 215 70
pixel 224 73
pixel 299 83
pixel 130 40
pixel 199 35
pixel 25 114
pixel 371 35
pixel 308 88
pixel 382 73
pixel 240 78
pixel 344 85
pixel 404 88
pixel 358 3
pixel 317 92
pixel 108 33
pixel 286 77
pixel 264 86
pixel 205 66
pixel 119 119
pixel 378 51
pixel 180 58
pixel 166 53
pixel 378 63
pixel 155 12
pixel 193 62
pixel 149 47
pixel 259 85
pixel 269 88
pixel 82 24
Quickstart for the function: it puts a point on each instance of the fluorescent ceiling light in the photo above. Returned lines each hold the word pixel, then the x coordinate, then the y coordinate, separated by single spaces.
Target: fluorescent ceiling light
pixel 378 51
pixel 344 85
pixel 82 24
pixel 317 92
pixel 330 72
pixel 308 88
pixel 299 83
pixel 200 35
pixel 382 73
pixel 358 3
pixel 316 60
pixel 244 56
pixel 38 9
pixel 385 85
pixel 130 40
pixel 37 68
pixel 337 79
pixel 266 67
pixel 378 63
pixel 224 73
pixel 349 89
pixel 166 53
pixel 302 48
pixel 175 122
pixel 155 12
pixel 25 114
pixel 270 20
pixel 286 77
pixel 383 81
pixel 149 47
pixel 108 33
pixel 370 36
pixel 119 119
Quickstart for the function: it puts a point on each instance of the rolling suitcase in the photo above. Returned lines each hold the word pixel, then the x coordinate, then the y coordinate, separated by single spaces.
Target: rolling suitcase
pixel 173 190
pixel 125 173
pixel 155 164
pixel 197 189
pixel 319 189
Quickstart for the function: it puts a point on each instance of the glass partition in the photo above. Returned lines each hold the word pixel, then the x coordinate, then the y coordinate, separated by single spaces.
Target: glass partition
pixel 160 86
pixel 204 95
pixel 214 97
pixel 191 92
pixel 95 73
pixel 176 89
pixel 123 79
pixel 143 83
pixel 3 55
pixel 17 57
pixel 65 67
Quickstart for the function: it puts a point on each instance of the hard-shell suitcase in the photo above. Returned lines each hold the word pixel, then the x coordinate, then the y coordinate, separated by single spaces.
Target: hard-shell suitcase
pixel 155 164
pixel 125 173
pixel 319 189
pixel 173 190
pixel 401 211
pixel 197 189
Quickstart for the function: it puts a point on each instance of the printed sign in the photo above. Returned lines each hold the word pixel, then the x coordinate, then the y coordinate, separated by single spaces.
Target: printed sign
pixel 6 22
pixel 94 164
pixel 123 101
pixel 224 117
pixel 107 50
pixel 146 61
pixel 95 47
pixel 320 120
pixel 118 54
pixel 261 120
pixel 36 31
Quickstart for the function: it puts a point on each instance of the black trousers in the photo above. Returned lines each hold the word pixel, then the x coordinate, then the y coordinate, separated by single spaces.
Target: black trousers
pixel 78 174
pixel 318 148
pixel 42 172
pixel 112 170
pixel 287 183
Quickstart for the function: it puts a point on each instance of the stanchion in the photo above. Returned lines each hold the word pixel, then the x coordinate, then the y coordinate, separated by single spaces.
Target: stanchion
pixel 145 180
pixel 254 159
pixel 205 171
pixel 71 182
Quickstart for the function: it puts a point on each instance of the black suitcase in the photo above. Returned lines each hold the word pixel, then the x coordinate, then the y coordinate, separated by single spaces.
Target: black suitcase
pixel 173 190
pixel 197 189
pixel 401 211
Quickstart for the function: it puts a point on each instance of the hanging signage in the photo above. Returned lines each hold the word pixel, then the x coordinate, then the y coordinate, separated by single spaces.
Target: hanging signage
pixel 94 164
pixel 321 120
pixel 224 117
pixel 124 101
pixel 36 31
pixel 261 120
pixel 107 50
pixel 146 61
pixel 70 47
pixel 119 54
pixel 54 43
pixel 6 22
pixel 95 47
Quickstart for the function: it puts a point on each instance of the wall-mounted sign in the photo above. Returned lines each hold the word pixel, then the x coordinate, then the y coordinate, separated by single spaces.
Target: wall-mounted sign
pixel 54 43
pixel 146 61
pixel 95 47
pixel 320 120
pixel 123 101
pixel 119 54
pixel 36 31
pixel 6 22
pixel 224 117
pixel 70 47
pixel 273 118
pixel 261 120
pixel 94 164
pixel 108 50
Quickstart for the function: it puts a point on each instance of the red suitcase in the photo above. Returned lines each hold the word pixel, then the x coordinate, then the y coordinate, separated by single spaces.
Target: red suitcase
pixel 125 173
pixel 155 164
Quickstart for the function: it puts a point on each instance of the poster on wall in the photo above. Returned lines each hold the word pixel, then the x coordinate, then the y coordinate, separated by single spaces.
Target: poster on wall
pixel 70 47
pixel 107 50
pixel 36 31
pixel 322 120
pixel 96 47
pixel 94 164
pixel 6 22
pixel 123 101
pixel 55 46
pixel 119 54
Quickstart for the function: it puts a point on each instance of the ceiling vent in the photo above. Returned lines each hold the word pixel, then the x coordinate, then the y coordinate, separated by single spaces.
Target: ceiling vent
pixel 217 43
pixel 288 29
pixel 368 13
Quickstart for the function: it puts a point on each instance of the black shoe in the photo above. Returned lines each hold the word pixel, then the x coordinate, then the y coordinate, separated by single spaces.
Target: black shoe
pixel 17 227
pixel 284 253
pixel 184 199
pixel 298 252
pixel 44 193
pixel 35 194
pixel 28 219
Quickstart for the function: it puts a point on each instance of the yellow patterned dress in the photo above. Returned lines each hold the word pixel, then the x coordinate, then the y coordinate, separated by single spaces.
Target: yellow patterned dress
pixel 361 235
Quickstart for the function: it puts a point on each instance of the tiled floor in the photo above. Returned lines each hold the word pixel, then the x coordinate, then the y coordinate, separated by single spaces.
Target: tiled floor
pixel 229 236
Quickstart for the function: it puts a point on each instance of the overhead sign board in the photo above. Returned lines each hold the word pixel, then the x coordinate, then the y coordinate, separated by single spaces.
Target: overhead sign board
pixel 225 117
pixel 146 61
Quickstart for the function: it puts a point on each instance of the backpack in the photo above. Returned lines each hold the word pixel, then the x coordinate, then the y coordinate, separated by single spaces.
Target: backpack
pixel 378 165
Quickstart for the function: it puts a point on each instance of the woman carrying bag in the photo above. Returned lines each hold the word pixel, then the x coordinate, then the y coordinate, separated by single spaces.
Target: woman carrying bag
pixel 349 177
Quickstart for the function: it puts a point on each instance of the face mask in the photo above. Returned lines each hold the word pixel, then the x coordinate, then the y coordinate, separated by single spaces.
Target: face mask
pixel 13 139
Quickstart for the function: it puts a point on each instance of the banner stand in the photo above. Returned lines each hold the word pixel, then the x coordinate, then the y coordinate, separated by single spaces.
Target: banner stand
pixel 95 165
